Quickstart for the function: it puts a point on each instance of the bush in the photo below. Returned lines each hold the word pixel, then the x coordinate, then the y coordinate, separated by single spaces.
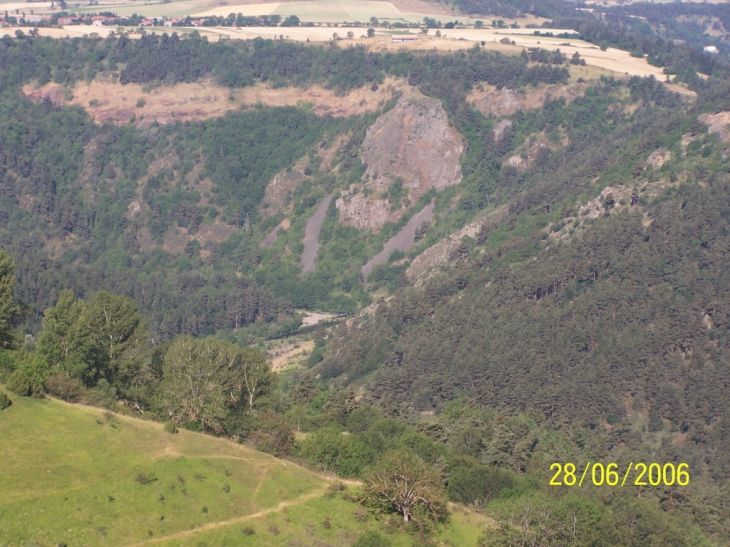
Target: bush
pixel 371 539
pixel 65 388
pixel 19 383
pixel 144 479
pixel 478 485
pixel 273 434
pixel 170 426
pixel 334 489
pixel 248 530
pixel 5 401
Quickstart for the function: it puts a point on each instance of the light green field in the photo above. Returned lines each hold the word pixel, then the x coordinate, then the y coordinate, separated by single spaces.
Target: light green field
pixel 337 11
pixel 69 475
pixel 148 9
pixel 317 11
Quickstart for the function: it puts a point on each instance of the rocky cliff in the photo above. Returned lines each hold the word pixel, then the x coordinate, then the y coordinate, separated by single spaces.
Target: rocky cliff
pixel 504 102
pixel 408 151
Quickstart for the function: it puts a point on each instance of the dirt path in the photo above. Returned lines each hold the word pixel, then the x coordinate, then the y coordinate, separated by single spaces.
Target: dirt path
pixel 236 520
pixel 311 235
pixel 402 241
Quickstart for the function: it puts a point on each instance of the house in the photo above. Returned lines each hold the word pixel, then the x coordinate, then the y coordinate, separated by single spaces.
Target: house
pixel 404 38
pixel 711 49
pixel 62 21
pixel 36 18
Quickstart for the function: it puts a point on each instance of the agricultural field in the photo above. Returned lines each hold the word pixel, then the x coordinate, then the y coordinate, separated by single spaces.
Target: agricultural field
pixel 78 475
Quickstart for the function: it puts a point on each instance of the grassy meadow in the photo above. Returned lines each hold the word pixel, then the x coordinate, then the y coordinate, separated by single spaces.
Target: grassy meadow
pixel 82 476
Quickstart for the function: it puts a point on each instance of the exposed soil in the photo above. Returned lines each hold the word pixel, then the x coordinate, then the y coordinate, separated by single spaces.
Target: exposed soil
pixel 289 354
pixel 311 235
pixel 178 237
pixel 402 241
pixel 118 104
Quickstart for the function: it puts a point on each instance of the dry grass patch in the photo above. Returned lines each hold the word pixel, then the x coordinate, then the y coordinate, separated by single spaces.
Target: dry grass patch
pixel 115 103
pixel 290 355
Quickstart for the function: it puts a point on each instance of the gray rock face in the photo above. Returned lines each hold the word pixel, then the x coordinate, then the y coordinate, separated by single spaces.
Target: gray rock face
pixel 413 143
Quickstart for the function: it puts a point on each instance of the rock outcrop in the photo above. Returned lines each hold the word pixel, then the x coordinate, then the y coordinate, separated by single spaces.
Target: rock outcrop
pixel 505 101
pixel 658 158
pixel 412 144
pixel 279 192
pixel 437 256
pixel 719 124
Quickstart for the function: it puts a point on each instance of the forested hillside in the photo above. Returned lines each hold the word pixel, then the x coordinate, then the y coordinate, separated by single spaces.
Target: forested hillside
pixel 580 312
pixel 91 203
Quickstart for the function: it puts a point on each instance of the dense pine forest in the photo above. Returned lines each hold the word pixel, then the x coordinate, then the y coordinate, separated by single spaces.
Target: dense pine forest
pixel 587 323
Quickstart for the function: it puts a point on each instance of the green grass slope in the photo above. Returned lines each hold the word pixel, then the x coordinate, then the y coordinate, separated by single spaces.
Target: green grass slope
pixel 76 475
pixel 69 474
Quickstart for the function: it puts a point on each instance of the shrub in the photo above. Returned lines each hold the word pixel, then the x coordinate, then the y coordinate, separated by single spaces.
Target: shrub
pixel 326 523
pixel 273 435
pixel 478 485
pixel 144 479
pixel 371 539
pixel 226 487
pixel 248 530
pixel 64 387
pixel 334 489
pixel 19 383
pixel 5 401
pixel 170 426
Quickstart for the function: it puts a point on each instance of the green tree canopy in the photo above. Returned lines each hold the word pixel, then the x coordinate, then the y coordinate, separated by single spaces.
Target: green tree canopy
pixel 204 379
pixel 403 483
pixel 119 336
pixel 8 306
pixel 66 346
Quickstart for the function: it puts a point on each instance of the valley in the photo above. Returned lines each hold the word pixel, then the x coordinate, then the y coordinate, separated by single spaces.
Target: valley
pixel 255 278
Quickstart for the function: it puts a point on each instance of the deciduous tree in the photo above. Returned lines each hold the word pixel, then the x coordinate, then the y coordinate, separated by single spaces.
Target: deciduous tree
pixel 403 483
